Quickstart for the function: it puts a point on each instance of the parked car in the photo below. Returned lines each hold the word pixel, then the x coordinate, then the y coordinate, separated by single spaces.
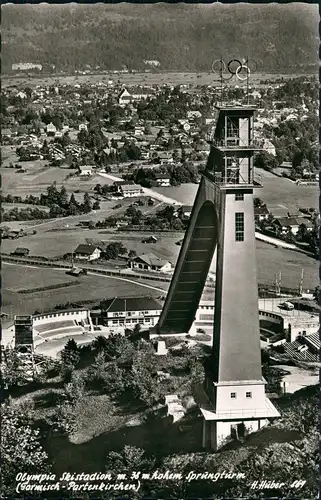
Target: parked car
pixel 287 305
pixel 150 239
pixel 117 206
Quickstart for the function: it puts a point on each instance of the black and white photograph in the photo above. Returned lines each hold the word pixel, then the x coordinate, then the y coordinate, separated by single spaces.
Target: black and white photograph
pixel 160 251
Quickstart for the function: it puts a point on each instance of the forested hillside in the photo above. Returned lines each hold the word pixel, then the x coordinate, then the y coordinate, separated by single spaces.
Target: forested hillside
pixel 179 36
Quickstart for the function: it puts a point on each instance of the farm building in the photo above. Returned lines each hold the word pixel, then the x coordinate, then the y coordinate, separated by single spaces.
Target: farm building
pixel 130 190
pixel 87 252
pixel 293 224
pixel 150 262
pixel 185 211
pixel 21 252
pixel 163 180
pixel 51 129
pixel 86 169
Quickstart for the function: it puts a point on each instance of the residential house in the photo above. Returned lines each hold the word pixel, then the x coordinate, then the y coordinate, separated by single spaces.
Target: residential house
pixel 131 190
pixel 82 126
pixel 51 129
pixel 139 93
pixel 126 312
pixel 139 131
pixel 202 147
pixel 255 94
pixel 6 132
pixel 86 170
pixel 191 115
pixel 87 252
pixel 185 211
pixel 145 155
pixel 261 213
pixel 149 262
pixel 163 180
pixel 124 98
pixel 134 94
pixel 118 184
pixel 22 95
pixel 165 157
pixel 292 224
pixel 286 165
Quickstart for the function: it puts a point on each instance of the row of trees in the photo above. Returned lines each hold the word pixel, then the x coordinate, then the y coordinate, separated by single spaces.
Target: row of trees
pixel 56 199
pixel 178 174
pixel 23 214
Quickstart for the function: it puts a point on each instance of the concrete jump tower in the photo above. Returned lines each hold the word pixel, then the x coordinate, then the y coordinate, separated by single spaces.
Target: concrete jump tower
pixel 233 401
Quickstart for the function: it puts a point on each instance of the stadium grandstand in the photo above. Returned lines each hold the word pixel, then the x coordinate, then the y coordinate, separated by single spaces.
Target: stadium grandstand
pixel 304 348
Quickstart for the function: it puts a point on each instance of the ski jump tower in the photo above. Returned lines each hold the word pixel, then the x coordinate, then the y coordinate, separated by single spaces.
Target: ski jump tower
pixel 233 400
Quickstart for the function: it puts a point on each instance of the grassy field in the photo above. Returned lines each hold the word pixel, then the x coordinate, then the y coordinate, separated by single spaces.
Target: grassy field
pixel 34 181
pixel 15 278
pixel 171 78
pixel 89 288
pixel 22 206
pixel 269 259
pixel 280 194
pixel 38 177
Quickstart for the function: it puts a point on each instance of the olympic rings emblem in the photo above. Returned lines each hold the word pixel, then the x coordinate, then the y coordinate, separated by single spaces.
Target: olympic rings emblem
pixel 234 68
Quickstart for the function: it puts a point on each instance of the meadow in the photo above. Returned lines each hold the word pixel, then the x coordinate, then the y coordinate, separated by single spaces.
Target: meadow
pixel 281 195
pixel 90 287
pixel 169 78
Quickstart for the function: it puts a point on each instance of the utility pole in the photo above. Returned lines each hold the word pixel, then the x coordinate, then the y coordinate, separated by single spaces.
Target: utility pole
pixel 301 283
pixel 277 283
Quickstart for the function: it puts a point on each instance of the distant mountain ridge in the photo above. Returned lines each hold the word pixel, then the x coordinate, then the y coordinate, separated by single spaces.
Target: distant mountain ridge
pixel 180 36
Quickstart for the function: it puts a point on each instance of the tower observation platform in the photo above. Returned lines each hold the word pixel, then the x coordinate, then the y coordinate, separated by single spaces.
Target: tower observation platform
pixel 233 400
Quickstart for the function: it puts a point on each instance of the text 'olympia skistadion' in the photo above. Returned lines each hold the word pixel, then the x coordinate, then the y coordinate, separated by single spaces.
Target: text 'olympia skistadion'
pixel 233 399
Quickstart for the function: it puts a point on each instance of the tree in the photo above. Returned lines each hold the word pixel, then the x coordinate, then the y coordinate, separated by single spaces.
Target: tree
pixel 100 343
pixel 130 459
pixel 258 202
pixel 63 197
pixel 96 205
pixel 87 204
pixel 140 379
pixel 73 205
pixel 20 448
pixel 70 354
pixel 114 250
pixel 265 161
pixel 53 195
pixel 13 372
pixel 303 233
pixel 289 236
pixel 132 254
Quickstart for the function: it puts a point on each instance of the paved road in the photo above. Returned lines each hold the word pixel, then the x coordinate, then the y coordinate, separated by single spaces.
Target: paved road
pixel 275 241
pixel 271 305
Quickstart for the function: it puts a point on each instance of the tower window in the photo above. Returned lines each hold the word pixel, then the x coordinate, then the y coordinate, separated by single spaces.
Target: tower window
pixel 239 196
pixel 233 395
pixel 239 226
pixel 248 394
